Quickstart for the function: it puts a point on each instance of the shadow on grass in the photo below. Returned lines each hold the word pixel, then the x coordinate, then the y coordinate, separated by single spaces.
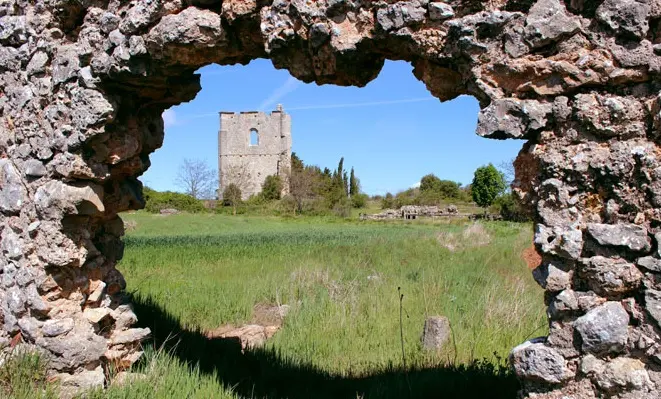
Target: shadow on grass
pixel 267 374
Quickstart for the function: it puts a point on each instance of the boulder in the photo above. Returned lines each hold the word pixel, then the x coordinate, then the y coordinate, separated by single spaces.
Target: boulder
pixel 548 21
pixel 630 236
pixel 627 17
pixel 12 191
pixel 436 332
pixel 604 329
pixel 55 327
pixel 610 277
pixel 535 361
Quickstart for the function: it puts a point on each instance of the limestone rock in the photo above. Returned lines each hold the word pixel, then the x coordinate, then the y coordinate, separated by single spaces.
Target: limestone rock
pixel 56 197
pixel 611 277
pixel 73 350
pixel 625 16
pixel 650 263
pixel 95 315
pixel 548 21
pixel 129 336
pixel 511 118
pixel 653 304
pixel 12 190
pixel 604 329
pixel 552 278
pixel 565 302
pixel 535 361
pixel 618 374
pixel 436 332
pixel 71 385
pixel 55 327
pixel 439 11
pixel 400 14
pixel 630 236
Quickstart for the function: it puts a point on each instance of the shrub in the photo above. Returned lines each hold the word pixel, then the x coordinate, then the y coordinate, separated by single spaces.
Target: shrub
pixel 156 200
pixel 359 200
pixel 272 188
pixel 510 209
pixel 232 195
pixel 387 202
pixel 342 208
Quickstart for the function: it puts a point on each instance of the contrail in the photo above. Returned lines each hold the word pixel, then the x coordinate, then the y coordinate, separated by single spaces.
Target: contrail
pixel 287 87
pixel 365 104
pixel 330 106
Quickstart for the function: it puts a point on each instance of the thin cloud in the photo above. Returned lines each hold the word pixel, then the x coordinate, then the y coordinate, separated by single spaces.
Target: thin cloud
pixel 169 117
pixel 287 87
pixel 415 185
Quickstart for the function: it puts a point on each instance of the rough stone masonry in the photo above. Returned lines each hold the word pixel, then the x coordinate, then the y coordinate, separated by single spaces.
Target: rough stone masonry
pixel 83 85
pixel 251 146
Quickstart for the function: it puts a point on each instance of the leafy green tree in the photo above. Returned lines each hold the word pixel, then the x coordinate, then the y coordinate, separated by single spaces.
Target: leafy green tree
pixel 487 184
pixel 430 183
pixel 272 188
pixel 232 196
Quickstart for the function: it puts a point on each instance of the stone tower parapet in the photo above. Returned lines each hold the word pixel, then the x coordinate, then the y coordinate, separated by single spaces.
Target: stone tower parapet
pixel 251 146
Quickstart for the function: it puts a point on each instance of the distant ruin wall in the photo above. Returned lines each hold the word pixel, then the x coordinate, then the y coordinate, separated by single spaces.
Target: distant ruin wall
pixel 83 85
pixel 247 164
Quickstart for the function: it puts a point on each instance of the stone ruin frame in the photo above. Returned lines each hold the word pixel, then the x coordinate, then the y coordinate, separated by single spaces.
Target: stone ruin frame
pixel 83 84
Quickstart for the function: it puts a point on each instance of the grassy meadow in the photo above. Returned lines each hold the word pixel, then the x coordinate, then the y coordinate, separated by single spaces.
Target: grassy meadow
pixel 342 279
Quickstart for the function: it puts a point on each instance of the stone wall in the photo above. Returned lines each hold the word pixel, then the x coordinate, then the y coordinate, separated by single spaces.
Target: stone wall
pixel 247 165
pixel 83 85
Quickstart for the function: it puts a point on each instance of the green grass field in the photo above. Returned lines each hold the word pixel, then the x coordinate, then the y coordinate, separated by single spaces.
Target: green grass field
pixel 192 273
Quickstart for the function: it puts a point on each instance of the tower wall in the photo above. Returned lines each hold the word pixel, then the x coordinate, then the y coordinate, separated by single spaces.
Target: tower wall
pixel 248 165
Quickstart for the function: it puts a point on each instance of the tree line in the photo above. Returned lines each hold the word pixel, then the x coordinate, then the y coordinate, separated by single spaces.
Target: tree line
pixel 317 191
pixel 311 190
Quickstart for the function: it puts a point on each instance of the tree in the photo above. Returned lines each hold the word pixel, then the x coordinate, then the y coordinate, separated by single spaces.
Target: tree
pixel 354 185
pixel 433 187
pixel 272 188
pixel 507 169
pixel 232 196
pixel 197 179
pixel 487 184
pixel 430 183
pixel 296 162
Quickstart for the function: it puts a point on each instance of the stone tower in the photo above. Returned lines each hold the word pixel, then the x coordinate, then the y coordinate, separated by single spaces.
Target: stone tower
pixel 251 146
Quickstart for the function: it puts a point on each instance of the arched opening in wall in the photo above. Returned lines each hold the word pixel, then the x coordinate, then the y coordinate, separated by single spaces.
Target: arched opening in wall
pixel 254 137
pixel 284 267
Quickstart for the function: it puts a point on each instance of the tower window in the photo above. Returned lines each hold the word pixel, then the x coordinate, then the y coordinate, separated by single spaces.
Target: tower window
pixel 254 137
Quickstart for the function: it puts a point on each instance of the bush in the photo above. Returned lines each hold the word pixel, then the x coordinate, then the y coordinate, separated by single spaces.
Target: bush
pixel 359 200
pixel 272 188
pixel 232 195
pixel 287 205
pixel 342 208
pixel 509 208
pixel 387 202
pixel 156 200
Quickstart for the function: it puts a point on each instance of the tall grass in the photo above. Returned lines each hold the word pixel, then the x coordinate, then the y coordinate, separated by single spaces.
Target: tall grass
pixel 341 280
pixel 191 273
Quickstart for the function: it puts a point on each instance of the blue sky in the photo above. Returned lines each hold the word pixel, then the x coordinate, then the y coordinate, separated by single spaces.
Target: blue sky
pixel 392 131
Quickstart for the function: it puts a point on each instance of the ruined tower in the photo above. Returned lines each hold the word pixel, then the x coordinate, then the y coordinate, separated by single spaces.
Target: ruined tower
pixel 251 146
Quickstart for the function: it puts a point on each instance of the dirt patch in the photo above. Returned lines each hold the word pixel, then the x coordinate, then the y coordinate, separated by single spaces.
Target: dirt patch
pixel 474 235
pixel 532 258
pixel 266 321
